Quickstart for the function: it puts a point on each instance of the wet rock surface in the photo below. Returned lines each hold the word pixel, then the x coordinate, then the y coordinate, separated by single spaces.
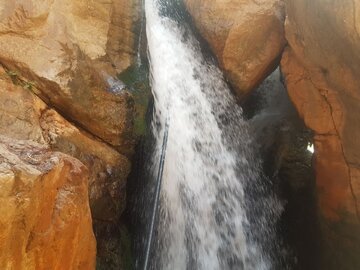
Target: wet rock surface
pixel 321 67
pixel 282 140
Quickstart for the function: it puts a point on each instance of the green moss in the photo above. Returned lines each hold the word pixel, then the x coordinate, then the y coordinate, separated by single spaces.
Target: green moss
pixel 114 247
pixel 14 76
pixel 126 246
pixel 18 80
pixel 137 81
pixel 29 85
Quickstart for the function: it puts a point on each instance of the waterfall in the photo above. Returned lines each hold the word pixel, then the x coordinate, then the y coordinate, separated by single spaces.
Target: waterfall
pixel 213 213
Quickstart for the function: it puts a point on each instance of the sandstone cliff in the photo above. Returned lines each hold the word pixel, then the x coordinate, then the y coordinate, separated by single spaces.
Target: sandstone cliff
pixel 322 67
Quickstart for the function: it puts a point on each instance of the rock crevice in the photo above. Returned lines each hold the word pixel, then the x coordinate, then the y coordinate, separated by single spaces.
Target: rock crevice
pixel 323 94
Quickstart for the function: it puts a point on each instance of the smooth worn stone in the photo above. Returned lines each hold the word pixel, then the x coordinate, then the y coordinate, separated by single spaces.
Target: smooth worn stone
pixel 71 50
pixel 45 220
pixel 26 117
pixel 246 36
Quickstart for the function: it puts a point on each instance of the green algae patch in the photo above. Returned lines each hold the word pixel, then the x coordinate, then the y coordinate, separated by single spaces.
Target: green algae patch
pixel 136 79
pixel 114 247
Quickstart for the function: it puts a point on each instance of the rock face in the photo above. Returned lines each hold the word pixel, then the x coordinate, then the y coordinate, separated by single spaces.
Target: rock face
pixel 20 111
pixel 322 67
pixel 45 207
pixel 108 169
pixel 70 50
pixel 246 36
pixel 24 116
pixel 58 62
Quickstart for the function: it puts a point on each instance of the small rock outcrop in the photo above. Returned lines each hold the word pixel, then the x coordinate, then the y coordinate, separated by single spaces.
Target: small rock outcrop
pixel 45 220
pixel 321 67
pixel 247 37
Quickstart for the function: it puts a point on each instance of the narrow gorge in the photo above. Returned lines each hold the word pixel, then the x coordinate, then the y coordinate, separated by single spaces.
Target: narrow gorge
pixel 179 134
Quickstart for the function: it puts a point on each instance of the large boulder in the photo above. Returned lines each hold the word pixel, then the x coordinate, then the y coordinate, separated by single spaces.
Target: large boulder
pixel 246 36
pixel 322 67
pixel 71 50
pixel 24 116
pixel 45 220
pixel 108 169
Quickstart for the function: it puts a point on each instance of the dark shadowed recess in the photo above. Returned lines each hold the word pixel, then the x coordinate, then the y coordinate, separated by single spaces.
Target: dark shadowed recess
pixel 282 140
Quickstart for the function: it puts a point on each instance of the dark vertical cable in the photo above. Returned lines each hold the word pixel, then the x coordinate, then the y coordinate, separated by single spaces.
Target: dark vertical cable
pixel 157 194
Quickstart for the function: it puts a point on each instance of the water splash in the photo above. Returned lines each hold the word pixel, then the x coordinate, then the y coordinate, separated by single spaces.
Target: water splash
pixel 204 220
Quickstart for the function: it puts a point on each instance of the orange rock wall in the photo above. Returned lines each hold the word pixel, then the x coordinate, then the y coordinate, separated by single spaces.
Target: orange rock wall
pixel 321 67
pixel 45 220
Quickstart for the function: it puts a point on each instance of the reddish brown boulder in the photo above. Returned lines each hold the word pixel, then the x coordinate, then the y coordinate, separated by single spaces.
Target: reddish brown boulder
pixel 24 116
pixel 45 220
pixel 246 36
pixel 108 169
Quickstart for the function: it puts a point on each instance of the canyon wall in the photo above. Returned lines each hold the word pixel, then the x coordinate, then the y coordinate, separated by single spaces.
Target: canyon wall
pixel 67 49
pixel 322 65
pixel 58 88
pixel 45 220
pixel 247 37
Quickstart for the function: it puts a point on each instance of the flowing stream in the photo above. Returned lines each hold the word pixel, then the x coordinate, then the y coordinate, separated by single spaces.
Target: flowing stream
pixel 215 211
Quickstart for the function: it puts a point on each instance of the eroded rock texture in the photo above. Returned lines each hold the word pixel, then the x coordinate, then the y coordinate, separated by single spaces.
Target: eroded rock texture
pixel 45 220
pixel 322 67
pixel 70 49
pixel 58 62
pixel 24 116
pixel 246 36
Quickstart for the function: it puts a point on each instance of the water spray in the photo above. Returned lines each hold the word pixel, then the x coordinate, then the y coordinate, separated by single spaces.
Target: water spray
pixel 157 194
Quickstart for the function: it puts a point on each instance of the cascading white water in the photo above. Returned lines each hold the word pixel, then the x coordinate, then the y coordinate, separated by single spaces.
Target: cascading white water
pixel 204 215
